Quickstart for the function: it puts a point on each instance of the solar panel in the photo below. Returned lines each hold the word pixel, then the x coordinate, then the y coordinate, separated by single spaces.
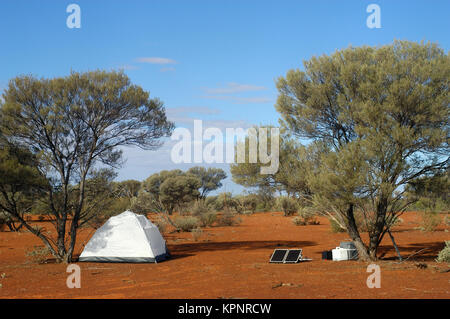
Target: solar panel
pixel 293 256
pixel 278 255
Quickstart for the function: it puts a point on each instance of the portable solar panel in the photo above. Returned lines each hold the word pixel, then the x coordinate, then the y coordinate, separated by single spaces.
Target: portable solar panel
pixel 278 255
pixel 293 256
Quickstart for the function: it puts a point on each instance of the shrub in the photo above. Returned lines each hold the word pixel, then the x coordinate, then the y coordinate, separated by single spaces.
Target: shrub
pixel 196 233
pixel 38 254
pixel 335 227
pixel 204 213
pixel 228 218
pixel 298 221
pixel 186 223
pixel 161 224
pixel 430 221
pixel 208 219
pixel 3 221
pixel 199 208
pixel 444 254
pixel 288 205
pixel 211 202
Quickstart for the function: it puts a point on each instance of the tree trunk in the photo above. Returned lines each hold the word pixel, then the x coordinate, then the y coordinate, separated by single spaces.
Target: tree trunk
pixel 352 230
pixel 376 233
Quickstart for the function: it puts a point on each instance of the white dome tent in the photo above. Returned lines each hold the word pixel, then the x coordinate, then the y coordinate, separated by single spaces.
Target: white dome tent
pixel 127 237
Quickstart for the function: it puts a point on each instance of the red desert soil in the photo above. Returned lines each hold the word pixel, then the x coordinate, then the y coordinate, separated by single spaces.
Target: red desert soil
pixel 232 262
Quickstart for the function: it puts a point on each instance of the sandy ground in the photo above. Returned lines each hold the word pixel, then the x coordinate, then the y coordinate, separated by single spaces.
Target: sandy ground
pixel 232 262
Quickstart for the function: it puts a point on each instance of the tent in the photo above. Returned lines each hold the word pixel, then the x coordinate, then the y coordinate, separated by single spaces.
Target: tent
pixel 127 237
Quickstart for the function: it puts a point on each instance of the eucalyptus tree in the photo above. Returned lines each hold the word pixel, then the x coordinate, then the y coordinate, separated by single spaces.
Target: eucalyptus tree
pixel 383 112
pixel 73 124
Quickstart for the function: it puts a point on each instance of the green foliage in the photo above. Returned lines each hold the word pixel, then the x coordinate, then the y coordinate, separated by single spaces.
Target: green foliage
pixel 173 189
pixel 228 218
pixel 161 224
pixel 211 179
pixel 143 203
pixel 335 227
pixel 211 202
pixel 429 221
pixel 288 206
pixel 291 174
pixel 127 189
pixel 444 254
pixel 447 220
pixel 204 213
pixel 379 118
pixel 3 221
pixel 305 217
pixel 72 125
pixel 21 183
pixel 186 223
pixel 38 255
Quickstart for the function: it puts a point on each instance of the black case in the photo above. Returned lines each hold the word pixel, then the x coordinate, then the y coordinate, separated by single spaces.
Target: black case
pixel 327 255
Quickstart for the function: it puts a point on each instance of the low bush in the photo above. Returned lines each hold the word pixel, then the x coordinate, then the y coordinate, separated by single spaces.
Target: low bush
pixel 186 223
pixel 208 219
pixel 429 221
pixel 196 233
pixel 335 227
pixel 161 224
pixel 444 254
pixel 228 218
pixel 305 217
pixel 288 205
pixel 298 221
pixel 3 221
pixel 204 213
pixel 38 254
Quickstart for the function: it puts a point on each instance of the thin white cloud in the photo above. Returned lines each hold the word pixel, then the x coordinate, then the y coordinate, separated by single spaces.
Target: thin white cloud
pixel 234 87
pixel 168 69
pixel 184 114
pixel 156 60
pixel 237 99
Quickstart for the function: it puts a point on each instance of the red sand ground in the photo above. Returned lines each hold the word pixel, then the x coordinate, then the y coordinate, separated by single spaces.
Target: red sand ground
pixel 232 262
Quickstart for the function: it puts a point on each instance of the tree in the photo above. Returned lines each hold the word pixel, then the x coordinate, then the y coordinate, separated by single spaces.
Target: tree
pixel 21 184
pixel 73 123
pixel 170 189
pixel 211 179
pixel 176 191
pixel 290 177
pixel 383 112
pixel 129 188
pixel 153 183
pixel 432 191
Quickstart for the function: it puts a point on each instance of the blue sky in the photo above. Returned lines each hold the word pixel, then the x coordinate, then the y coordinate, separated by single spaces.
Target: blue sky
pixel 212 60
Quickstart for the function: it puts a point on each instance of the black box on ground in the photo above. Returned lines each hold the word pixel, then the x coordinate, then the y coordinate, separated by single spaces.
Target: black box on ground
pixel 327 255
